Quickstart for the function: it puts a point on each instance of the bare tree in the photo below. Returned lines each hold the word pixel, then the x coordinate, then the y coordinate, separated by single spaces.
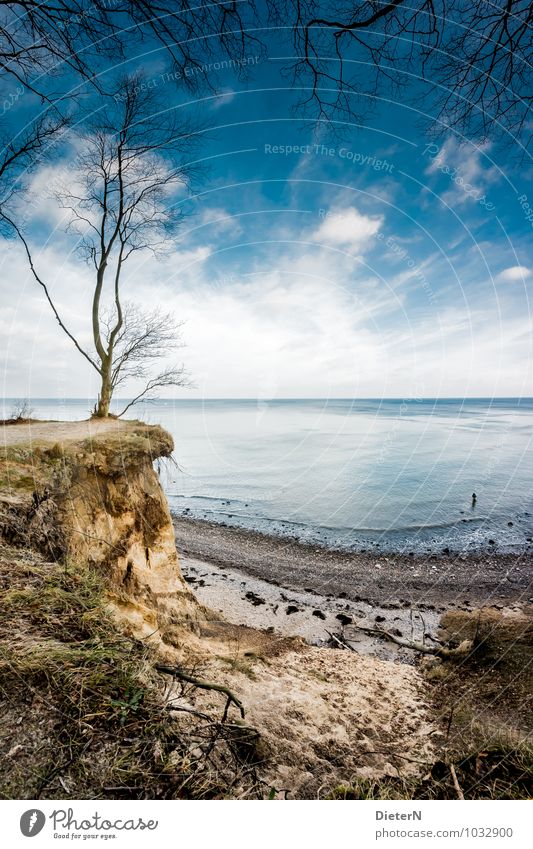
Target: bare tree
pixel 21 412
pixel 121 200
pixel 475 56
pixel 38 39
pixel 144 338
pixel 51 50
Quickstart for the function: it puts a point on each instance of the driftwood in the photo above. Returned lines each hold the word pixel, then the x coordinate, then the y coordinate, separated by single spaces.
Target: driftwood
pixel 340 642
pixel 203 685
pixel 437 651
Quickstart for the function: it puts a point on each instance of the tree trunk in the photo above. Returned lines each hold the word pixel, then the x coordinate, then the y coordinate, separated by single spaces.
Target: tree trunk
pixel 106 392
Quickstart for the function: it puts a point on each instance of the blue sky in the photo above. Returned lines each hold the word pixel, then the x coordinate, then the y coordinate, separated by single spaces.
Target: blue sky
pixel 382 262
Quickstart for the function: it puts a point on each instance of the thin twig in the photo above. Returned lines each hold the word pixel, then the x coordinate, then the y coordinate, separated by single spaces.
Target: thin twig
pixel 456 784
pixel 203 685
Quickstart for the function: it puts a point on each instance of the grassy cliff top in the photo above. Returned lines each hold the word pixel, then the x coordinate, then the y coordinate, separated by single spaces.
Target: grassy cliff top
pixel 33 451
pixel 35 432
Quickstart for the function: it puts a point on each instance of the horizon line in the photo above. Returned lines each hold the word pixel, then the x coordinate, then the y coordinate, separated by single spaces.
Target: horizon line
pixel 287 398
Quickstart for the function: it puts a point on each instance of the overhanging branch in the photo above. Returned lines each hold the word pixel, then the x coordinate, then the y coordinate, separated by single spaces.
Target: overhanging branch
pixel 41 283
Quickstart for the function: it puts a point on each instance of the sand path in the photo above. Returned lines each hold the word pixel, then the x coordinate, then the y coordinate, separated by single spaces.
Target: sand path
pixel 36 431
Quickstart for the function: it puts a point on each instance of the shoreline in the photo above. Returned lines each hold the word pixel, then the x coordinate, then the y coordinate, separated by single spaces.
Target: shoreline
pixel 423 580
pixel 373 541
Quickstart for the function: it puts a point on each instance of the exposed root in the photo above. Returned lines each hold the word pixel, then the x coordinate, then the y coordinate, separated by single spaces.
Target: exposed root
pixel 203 685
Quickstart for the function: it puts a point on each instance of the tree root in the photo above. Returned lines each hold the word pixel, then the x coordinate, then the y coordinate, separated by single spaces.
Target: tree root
pixel 203 685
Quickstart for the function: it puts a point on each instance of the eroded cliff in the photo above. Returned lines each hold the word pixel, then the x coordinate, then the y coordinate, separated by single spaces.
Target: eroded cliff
pixel 86 495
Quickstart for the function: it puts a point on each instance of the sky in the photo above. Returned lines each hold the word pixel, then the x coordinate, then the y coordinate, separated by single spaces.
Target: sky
pixel 381 261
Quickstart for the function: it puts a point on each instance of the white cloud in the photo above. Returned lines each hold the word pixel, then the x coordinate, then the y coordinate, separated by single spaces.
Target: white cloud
pixel 277 334
pixel 217 220
pixel 468 168
pixel 39 203
pixel 184 259
pixel 297 321
pixel 348 228
pixel 516 272
pixel 222 98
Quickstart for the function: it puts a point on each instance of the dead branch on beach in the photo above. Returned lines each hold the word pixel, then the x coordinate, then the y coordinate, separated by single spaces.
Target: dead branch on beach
pixel 342 644
pixel 437 651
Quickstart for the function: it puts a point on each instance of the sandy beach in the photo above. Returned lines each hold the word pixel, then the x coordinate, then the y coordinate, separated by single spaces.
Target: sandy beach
pixel 294 589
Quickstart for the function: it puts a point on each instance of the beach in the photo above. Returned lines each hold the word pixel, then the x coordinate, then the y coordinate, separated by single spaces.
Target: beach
pixel 295 589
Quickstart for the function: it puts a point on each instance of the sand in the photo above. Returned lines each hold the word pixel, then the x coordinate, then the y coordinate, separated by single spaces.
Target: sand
pixel 425 582
pixel 243 600
pixel 359 713
pixel 29 432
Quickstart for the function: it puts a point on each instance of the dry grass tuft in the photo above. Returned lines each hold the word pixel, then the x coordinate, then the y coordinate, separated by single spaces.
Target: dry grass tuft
pixel 485 703
pixel 85 714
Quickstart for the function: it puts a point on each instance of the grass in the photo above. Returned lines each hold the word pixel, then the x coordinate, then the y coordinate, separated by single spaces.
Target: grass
pixel 240 664
pixel 84 711
pixel 485 703
pixel 90 702
pixel 27 469
pixel 503 770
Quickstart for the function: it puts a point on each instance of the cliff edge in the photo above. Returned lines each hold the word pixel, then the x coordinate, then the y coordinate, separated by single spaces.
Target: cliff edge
pixel 89 563
pixel 87 493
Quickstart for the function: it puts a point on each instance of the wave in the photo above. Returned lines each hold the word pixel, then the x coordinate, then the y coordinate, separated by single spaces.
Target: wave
pixel 337 529
pixel 216 498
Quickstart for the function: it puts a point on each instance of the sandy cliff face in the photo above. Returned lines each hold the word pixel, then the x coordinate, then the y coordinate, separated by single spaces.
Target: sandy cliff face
pixel 87 493
pixel 90 494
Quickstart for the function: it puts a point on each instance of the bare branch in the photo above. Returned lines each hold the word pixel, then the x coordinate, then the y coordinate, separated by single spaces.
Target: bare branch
pixel 170 377
pixel 24 148
pixel 477 58
pixel 203 685
pixel 42 40
pixel 41 283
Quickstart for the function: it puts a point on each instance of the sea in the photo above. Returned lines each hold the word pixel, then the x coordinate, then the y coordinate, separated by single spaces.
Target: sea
pixel 353 474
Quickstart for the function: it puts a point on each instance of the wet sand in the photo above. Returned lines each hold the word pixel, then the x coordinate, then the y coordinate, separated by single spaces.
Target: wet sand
pixel 300 590
pixel 243 600
pixel 448 579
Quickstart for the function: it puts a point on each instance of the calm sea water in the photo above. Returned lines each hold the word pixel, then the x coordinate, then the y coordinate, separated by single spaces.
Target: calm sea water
pixel 357 474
